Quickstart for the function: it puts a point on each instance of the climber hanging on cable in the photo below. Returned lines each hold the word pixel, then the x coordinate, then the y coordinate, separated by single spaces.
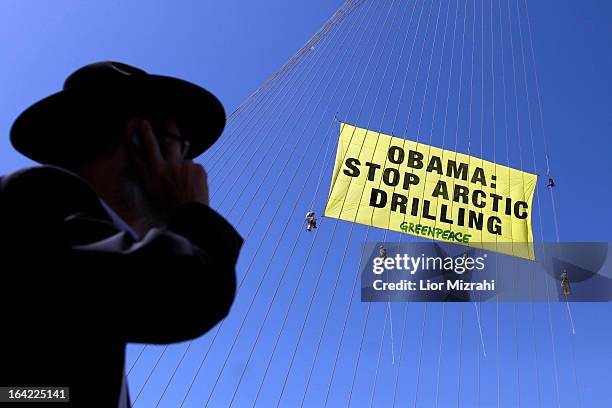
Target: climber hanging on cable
pixel 311 221
pixel 382 252
pixel 551 183
pixel 565 285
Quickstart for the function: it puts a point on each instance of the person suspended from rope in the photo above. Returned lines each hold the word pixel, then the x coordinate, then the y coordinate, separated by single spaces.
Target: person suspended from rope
pixel 551 183
pixel 311 221
pixel 565 285
pixel 382 252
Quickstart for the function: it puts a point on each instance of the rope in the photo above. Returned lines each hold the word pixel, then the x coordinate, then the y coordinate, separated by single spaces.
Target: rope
pixel 460 355
pixel 439 356
pixel 556 375
pixel 418 374
pixel 378 358
pixel 477 311
pixel 497 339
pixel 365 326
pixel 399 365
pixel 478 345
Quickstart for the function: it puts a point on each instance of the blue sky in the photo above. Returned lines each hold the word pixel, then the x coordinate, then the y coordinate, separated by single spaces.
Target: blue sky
pixel 231 48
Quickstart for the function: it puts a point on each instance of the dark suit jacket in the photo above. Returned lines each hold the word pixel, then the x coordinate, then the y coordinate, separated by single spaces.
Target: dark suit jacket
pixel 75 288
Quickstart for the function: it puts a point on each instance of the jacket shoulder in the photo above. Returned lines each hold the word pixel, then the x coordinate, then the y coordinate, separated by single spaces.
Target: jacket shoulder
pixel 35 175
pixel 45 188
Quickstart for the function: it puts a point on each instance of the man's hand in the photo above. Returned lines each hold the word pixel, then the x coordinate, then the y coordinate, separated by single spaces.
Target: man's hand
pixel 170 181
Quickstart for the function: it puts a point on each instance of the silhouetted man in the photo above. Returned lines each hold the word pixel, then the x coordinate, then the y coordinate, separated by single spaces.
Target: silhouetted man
pixel 112 239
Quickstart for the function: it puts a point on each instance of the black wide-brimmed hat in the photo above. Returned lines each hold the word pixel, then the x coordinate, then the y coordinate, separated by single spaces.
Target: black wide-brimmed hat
pixel 61 127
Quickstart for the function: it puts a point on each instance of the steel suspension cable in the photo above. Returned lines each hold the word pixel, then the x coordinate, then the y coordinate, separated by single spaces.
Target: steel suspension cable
pixel 367 231
pixel 352 293
pixel 461 63
pixel 494 131
pixel 261 281
pixel 264 102
pixel 388 314
pixel 216 333
pixel 386 105
pixel 255 153
pixel 292 299
pixel 216 152
pixel 190 342
pixel 445 127
pixel 318 184
pixel 145 347
pixel 352 225
pixel 394 121
pixel 506 132
pixel 356 276
pixel 136 360
pixel 420 118
pixel 551 331
pixel 548 169
pixel 250 306
pixel 307 49
pixel 433 121
pixel 482 24
pixel 149 376
pixel 377 138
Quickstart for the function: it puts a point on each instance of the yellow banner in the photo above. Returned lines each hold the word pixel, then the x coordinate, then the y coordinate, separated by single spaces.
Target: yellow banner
pixel 404 186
